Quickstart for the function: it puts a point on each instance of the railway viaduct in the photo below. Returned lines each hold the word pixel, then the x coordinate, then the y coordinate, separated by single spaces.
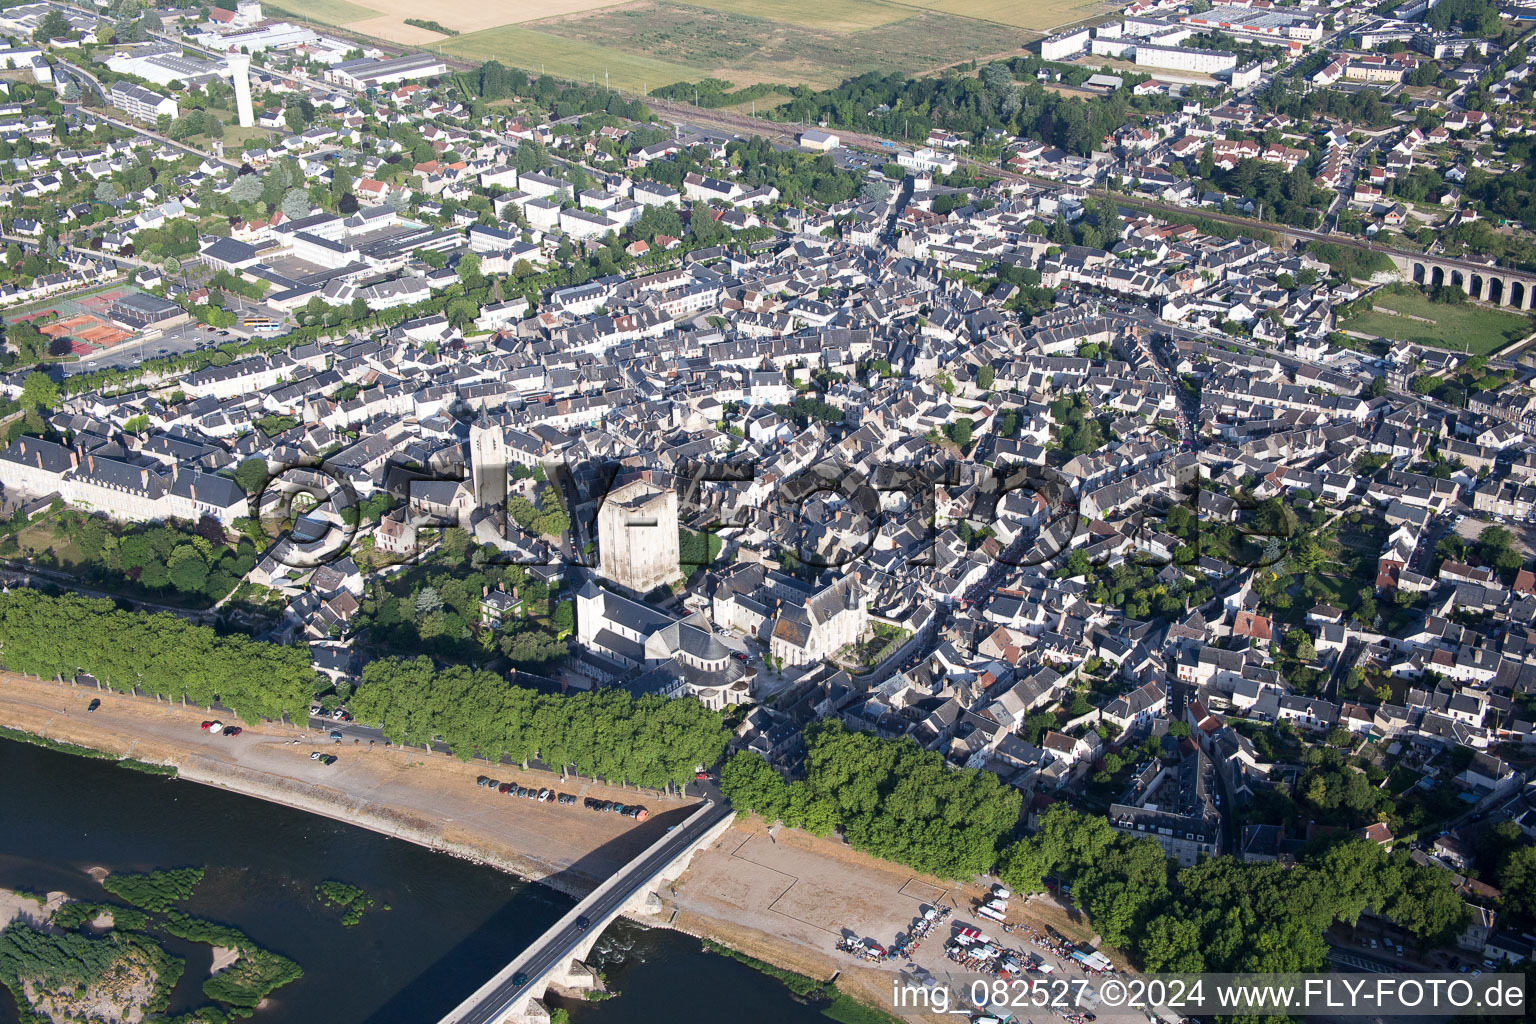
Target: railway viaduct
pixel 1497 286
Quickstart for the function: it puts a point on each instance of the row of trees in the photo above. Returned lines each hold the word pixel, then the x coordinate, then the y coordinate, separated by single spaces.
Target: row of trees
pixel 649 740
pixel 1222 914
pixel 898 802
pixel 892 799
pixel 896 106
pixel 163 654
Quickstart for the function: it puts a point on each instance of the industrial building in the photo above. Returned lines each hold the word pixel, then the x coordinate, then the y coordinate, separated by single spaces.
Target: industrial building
pixel 369 73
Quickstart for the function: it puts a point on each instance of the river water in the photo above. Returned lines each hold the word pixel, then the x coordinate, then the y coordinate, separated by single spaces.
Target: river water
pixel 451 925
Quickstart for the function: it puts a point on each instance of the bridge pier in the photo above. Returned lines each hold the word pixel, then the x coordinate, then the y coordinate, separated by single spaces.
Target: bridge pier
pixel 557 959
pixel 1497 286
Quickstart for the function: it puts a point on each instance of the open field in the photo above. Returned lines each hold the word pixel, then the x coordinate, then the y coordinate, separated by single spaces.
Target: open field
pixel 386 18
pixel 525 48
pixel 1041 15
pixel 648 43
pixel 1466 328
pixel 327 12
pixel 828 16
pixel 747 50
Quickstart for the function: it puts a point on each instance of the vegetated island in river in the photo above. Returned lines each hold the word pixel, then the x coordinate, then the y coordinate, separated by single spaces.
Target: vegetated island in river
pixel 353 900
pixel 68 960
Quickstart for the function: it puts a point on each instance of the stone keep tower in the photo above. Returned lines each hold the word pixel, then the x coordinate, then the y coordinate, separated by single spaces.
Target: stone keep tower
pixel 637 536
pixel 488 465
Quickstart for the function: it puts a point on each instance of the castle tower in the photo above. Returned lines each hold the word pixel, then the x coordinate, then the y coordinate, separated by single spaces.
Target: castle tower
pixel 637 538
pixel 488 464
pixel 240 71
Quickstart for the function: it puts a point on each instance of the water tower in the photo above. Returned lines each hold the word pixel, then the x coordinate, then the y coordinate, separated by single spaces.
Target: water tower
pixel 240 71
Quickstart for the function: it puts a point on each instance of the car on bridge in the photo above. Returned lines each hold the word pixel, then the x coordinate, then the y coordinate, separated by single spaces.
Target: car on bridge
pixel 519 979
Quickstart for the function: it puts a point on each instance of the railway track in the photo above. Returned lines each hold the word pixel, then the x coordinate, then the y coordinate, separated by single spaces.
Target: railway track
pixel 678 113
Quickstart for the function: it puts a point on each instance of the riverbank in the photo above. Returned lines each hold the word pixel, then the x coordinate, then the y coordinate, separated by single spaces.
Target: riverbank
pixel 429 799
pixel 781 898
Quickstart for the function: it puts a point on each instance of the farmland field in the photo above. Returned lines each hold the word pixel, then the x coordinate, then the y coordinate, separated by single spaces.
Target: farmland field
pixel 831 15
pixel 386 18
pixel 746 50
pixel 647 43
pixel 1471 328
pixel 1041 15
pixel 327 12
pixel 525 48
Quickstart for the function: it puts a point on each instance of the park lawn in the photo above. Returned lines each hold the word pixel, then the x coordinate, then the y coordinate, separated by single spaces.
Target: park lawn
pixel 568 58
pixel 37 539
pixel 1470 328
pixel 234 137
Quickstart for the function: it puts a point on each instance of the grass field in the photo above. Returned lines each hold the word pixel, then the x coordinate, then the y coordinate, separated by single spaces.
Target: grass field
pixel 1040 15
pixel 386 18
pixel 1477 330
pixel 567 58
pixel 327 12
pixel 645 43
pixel 746 50
pixel 827 15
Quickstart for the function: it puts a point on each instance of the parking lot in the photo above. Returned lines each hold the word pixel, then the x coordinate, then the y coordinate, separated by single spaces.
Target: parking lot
pixel 175 341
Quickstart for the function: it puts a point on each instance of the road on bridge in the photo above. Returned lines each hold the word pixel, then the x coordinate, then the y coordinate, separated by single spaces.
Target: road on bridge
pixel 555 946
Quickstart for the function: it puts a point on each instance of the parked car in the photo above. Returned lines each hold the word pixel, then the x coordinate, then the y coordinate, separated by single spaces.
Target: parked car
pixel 544 795
pixel 94 704
pixel 701 775
pixel 505 787
pixel 215 727
pixel 335 735
pixel 315 756
pixel 207 726
pixel 233 730
pixel 328 759
pixel 482 780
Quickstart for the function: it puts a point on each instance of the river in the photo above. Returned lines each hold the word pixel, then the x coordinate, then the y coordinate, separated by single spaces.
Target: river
pixel 451 924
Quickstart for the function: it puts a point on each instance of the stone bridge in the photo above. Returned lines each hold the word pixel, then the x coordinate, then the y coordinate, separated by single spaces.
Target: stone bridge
pixel 1497 286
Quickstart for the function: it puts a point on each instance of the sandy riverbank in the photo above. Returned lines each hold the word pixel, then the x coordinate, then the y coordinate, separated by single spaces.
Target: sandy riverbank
pixel 781 896
pixel 424 798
